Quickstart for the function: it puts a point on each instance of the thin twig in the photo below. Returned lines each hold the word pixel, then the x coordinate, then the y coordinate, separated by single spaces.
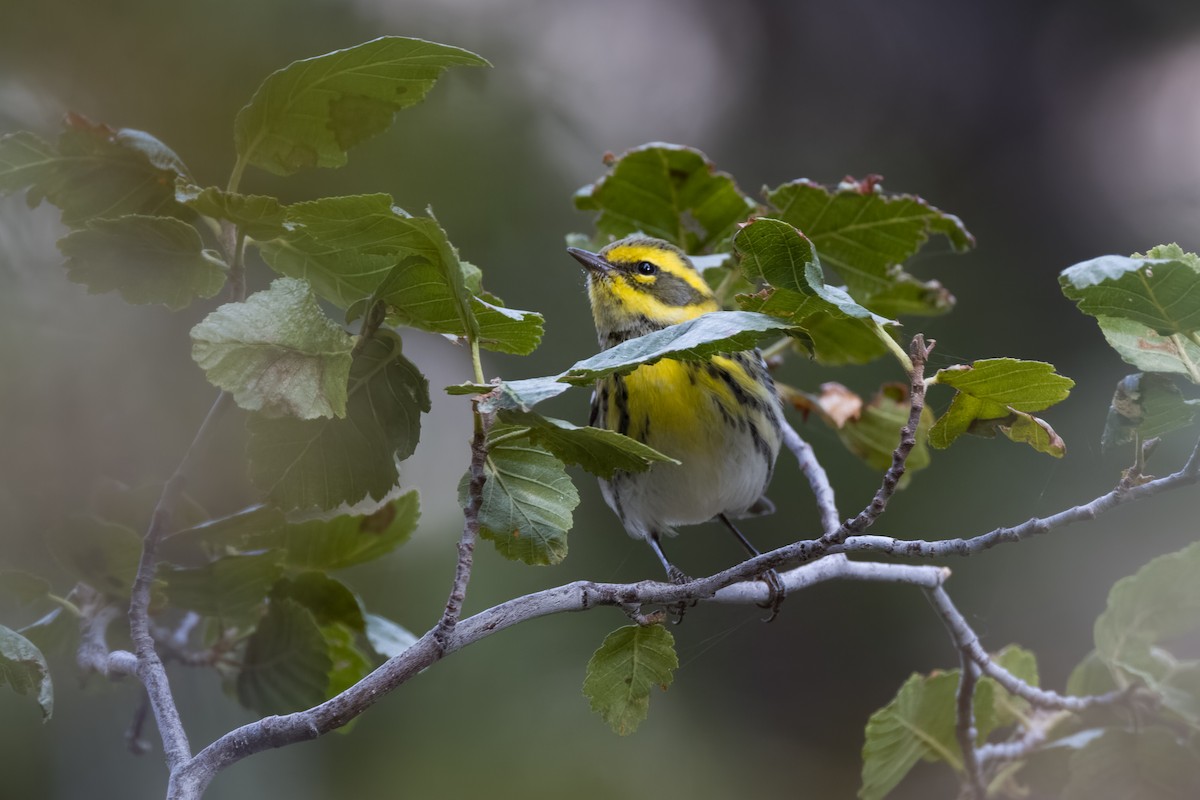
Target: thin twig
pixel 133 734
pixel 93 655
pixel 1035 733
pixel 919 354
pixel 967 641
pixel 816 476
pixel 150 669
pixel 189 781
pixel 964 727
pixel 470 534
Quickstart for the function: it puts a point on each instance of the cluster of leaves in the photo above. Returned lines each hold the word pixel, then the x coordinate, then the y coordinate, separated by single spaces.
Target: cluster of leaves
pixel 1113 751
pixel 329 415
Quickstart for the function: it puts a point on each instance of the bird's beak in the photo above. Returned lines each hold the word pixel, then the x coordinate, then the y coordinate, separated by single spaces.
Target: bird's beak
pixel 591 261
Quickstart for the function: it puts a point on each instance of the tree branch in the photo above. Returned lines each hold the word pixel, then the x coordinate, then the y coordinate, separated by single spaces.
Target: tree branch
pixel 964 728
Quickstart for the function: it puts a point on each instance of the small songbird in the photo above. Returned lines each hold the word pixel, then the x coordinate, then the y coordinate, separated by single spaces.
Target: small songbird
pixel 720 417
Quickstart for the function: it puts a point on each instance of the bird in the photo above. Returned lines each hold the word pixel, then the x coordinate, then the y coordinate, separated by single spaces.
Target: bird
pixel 720 417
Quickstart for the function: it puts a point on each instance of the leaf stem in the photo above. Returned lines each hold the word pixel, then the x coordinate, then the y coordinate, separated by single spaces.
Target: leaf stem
pixel 235 177
pixel 776 348
pixel 66 604
pixel 894 347
pixel 476 362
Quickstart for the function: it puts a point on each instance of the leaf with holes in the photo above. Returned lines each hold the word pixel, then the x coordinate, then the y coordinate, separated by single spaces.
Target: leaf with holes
pixel 629 663
pixel 277 353
pixel 323 463
pixel 312 111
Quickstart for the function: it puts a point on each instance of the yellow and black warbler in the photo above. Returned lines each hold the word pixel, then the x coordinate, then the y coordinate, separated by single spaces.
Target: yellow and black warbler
pixel 720 417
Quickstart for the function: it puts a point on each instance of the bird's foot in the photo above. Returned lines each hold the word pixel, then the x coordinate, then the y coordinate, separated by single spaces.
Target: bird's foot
pixel 678 577
pixel 776 593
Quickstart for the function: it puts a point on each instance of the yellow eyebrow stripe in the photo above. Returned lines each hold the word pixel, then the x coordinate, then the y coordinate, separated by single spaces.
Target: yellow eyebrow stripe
pixel 665 259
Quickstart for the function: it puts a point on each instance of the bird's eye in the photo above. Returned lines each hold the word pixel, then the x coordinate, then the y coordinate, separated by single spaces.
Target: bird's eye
pixel 646 268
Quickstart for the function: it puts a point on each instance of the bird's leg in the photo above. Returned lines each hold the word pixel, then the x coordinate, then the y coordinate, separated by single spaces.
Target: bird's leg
pixel 674 574
pixel 776 593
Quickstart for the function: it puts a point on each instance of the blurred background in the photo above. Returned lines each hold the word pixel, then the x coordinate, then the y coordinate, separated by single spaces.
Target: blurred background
pixel 1058 131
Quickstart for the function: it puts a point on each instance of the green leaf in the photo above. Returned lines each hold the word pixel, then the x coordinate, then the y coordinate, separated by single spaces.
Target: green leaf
pixel 54 633
pixel 1162 293
pixel 507 330
pixel 329 600
pixel 1001 709
pixel 864 234
pixel 918 723
pixel 350 663
pixel 352 248
pixel 93 171
pixel 874 432
pixel 320 544
pixel 833 338
pixel 23 586
pixel 387 638
pixel 1140 346
pixel 527 498
pixel 1160 601
pixel 277 353
pixel 1091 676
pixel 599 451
pixel 998 394
pixel 102 554
pixel 231 589
pixel 322 463
pixel 629 663
pixel 669 192
pixel 287 663
pixel 696 339
pixel 257 216
pixel 784 257
pixel 311 112
pixel 146 259
pixel 1151 764
pixel 1145 406
pixel 24 668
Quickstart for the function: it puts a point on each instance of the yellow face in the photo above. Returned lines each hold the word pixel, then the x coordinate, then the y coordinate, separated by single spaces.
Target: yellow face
pixel 641 284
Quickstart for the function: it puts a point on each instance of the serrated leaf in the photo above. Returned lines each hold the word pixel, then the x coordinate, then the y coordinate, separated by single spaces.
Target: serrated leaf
pixel 1145 406
pixel 599 451
pixel 998 394
pixel 25 587
pixel 330 601
pixel 277 353
pixel 507 330
pixel 1140 346
pixel 353 248
pixel 93 171
pixel 318 544
pixel 629 663
pixel 286 665
pixel 1161 600
pixel 257 216
pixel 696 339
pixel 864 234
pixel 231 589
pixel 527 498
pixel 668 192
pixel 323 463
pixel 1001 708
pixel 24 669
pixel 1161 293
pixel 312 111
pixel 780 254
pixel 1151 764
pixel 918 723
pixel 146 259
pixel 102 554
pixel 387 638
pixel 833 338
pixel 874 432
